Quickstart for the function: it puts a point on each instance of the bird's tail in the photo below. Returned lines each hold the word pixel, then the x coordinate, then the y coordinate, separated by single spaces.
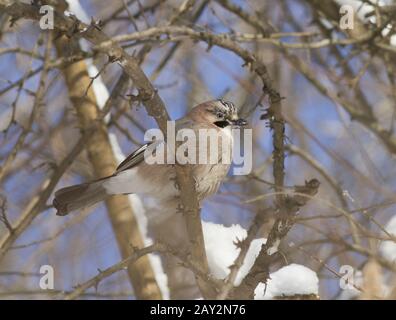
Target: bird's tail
pixel 78 197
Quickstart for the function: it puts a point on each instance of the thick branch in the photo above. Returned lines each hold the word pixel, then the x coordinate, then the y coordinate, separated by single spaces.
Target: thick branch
pixel 282 225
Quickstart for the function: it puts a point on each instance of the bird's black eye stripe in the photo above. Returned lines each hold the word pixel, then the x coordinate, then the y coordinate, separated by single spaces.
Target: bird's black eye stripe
pixel 222 124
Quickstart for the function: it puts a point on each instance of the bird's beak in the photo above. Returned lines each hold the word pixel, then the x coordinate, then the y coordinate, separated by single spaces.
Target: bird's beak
pixel 237 121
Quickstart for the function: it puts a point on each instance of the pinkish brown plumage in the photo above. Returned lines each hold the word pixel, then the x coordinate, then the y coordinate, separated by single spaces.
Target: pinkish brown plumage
pixel 135 175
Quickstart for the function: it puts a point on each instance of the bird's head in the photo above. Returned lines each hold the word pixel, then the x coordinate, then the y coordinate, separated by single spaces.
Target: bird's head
pixel 219 113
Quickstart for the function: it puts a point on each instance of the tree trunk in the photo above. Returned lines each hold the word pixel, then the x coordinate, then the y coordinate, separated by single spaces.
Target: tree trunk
pixel 103 161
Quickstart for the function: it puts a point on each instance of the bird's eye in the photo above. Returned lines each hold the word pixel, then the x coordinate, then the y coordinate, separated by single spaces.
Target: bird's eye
pixel 220 115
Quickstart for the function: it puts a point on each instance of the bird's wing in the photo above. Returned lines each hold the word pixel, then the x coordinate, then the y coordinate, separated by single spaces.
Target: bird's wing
pixel 183 123
pixel 136 157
